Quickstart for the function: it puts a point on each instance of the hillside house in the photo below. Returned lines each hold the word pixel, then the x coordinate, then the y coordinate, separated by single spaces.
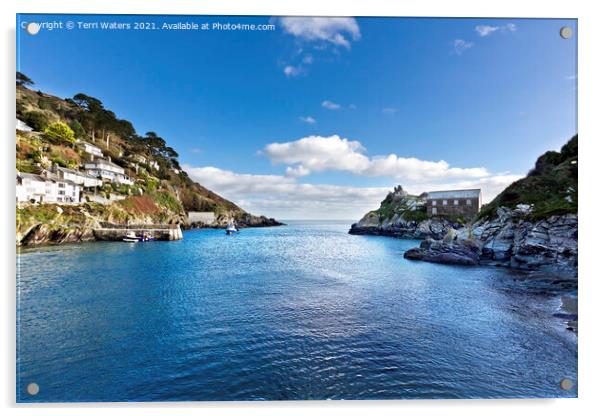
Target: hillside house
pixel 461 203
pixel 90 149
pixel 40 189
pixel 107 170
pixel 21 126
pixel 78 177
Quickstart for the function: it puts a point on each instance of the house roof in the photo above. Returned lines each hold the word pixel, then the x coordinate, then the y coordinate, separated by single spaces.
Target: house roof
pixel 456 193
pixel 40 178
pixel 32 176
pixel 76 172
pixel 82 143
pixel 103 162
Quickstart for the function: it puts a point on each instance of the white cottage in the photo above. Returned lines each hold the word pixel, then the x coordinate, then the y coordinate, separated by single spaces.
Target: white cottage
pixel 107 170
pixel 39 189
pixel 30 187
pixel 90 149
pixel 21 126
pixel 80 178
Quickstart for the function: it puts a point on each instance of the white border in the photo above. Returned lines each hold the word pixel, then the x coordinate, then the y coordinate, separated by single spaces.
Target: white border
pixel 590 155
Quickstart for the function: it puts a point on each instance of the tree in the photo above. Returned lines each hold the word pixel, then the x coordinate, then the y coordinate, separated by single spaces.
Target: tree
pixel 59 132
pixel 77 128
pixel 23 80
pixel 88 103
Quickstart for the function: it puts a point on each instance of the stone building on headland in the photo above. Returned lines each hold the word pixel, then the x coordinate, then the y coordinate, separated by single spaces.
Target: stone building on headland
pixel 461 203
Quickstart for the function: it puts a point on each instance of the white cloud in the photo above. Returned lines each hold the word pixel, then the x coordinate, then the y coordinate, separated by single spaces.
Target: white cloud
pixel 308 59
pixel 339 31
pixel 460 46
pixel 308 119
pixel 333 153
pixel 486 30
pixel 389 110
pixel 292 71
pixel 319 153
pixel 330 105
pixel 283 197
pixel 297 171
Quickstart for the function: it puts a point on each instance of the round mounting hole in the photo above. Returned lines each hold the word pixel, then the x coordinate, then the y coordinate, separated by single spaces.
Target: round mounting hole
pixel 566 32
pixel 566 384
pixel 33 28
pixel 33 389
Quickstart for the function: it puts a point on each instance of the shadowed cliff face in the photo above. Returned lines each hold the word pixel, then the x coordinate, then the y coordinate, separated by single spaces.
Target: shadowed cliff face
pixel 511 239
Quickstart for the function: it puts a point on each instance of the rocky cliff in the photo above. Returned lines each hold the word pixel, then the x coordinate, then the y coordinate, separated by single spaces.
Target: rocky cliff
pixel 532 225
pixel 510 239
pixel 403 215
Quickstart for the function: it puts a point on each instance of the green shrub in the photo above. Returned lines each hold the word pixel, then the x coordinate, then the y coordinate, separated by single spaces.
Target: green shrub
pixel 59 132
pixel 77 128
pixel 37 120
pixel 168 200
pixel 60 161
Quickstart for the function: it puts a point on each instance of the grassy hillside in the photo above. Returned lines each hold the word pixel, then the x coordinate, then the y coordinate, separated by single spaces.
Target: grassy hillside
pixel 551 186
pixel 163 187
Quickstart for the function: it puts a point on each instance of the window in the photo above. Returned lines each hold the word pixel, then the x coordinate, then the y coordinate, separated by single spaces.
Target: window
pixel 434 203
pixel 468 202
pixel 445 202
pixel 456 202
pixel 434 211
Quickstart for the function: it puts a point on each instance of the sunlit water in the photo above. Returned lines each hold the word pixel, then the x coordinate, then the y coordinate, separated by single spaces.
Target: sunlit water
pixel 304 311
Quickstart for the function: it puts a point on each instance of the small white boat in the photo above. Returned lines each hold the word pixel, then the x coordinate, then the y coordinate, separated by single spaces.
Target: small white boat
pixel 231 228
pixel 131 237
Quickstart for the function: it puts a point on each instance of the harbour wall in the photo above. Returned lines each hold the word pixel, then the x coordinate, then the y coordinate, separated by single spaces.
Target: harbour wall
pixel 158 232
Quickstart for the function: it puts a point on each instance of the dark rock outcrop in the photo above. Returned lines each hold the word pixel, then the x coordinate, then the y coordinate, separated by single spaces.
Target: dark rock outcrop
pixel 510 239
pixel 399 227
pixel 464 252
pixel 45 234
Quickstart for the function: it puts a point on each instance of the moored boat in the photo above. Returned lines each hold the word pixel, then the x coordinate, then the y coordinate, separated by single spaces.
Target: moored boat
pixel 131 237
pixel 231 228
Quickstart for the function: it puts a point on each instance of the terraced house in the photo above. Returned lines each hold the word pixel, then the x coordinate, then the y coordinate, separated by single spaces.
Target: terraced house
pixel 40 189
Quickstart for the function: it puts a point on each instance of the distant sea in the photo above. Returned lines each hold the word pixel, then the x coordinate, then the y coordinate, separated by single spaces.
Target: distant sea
pixel 304 311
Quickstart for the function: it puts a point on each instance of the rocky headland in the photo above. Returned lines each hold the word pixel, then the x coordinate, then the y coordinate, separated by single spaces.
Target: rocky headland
pixel 403 215
pixel 531 226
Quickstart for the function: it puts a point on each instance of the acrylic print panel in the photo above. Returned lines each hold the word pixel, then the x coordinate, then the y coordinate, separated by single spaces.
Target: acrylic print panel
pixel 295 208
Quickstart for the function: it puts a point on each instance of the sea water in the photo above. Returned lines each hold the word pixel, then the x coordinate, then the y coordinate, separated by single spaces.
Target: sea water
pixel 303 311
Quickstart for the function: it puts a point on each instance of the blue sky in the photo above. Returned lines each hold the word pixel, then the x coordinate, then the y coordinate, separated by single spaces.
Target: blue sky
pixel 319 117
